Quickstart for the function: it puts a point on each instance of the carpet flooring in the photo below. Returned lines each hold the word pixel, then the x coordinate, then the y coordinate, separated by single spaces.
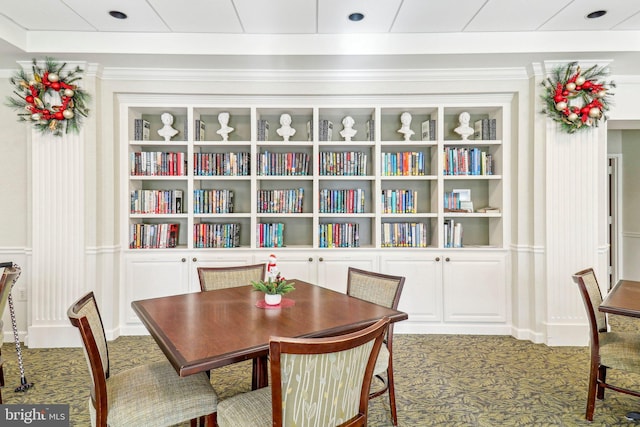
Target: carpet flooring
pixel 441 380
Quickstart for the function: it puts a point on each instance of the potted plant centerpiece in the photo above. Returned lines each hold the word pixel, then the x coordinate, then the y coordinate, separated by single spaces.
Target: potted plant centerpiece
pixel 273 288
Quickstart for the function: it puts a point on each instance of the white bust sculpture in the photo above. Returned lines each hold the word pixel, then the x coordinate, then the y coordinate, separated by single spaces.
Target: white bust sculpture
pixel 225 129
pixel 285 130
pixel 405 129
pixel 464 130
pixel 167 132
pixel 348 132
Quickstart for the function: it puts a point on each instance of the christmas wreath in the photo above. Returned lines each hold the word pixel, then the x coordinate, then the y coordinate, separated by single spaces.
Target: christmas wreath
pixel 577 99
pixel 50 98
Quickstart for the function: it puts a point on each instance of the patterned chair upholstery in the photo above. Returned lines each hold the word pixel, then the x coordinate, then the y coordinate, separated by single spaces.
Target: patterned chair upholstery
pixel 385 290
pixel 304 372
pixel 617 350
pixel 230 277
pixel 147 395
pixel 8 276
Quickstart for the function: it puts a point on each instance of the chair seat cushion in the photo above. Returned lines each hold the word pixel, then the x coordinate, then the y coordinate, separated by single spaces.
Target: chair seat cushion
pixel 382 363
pixel 620 350
pixel 154 395
pixel 252 409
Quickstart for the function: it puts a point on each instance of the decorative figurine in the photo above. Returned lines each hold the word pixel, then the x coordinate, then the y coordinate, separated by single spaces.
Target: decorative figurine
pixel 167 132
pixel 348 132
pixel 225 129
pixel 464 130
pixel 286 131
pixel 405 129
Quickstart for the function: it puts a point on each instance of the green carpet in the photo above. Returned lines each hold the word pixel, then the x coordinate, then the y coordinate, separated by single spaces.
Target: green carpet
pixel 441 380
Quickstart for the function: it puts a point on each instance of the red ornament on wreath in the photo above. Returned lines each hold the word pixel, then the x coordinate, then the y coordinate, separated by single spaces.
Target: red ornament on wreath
pixel 577 99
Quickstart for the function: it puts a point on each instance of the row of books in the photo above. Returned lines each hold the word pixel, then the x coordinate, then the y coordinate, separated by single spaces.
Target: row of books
pixel 263 130
pixel 340 235
pixel 399 201
pixel 216 235
pixel 428 130
pixel 404 235
pixel 280 201
pixel 153 236
pixel 155 163
pixel 485 129
pixel 342 201
pixel 222 164
pixel 403 164
pixel 141 130
pixel 452 233
pixel 348 163
pixel 280 164
pixel 156 201
pixel 270 235
pixel 467 161
pixel 212 201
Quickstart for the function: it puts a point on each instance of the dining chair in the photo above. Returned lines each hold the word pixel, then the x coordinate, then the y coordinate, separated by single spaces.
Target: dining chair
pixel 315 381
pixel 385 290
pixel 230 277
pixel 617 350
pixel 7 279
pixel 148 395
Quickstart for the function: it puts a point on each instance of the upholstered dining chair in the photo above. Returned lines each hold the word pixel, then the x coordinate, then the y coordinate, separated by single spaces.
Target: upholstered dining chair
pixel 8 277
pixel 385 290
pixel 617 350
pixel 230 277
pixel 315 381
pixel 148 395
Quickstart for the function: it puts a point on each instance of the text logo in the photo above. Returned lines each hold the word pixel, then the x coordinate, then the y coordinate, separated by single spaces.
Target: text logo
pixel 34 415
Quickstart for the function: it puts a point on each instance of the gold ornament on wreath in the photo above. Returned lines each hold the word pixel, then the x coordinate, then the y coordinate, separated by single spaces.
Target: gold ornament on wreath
pixel 575 98
pixel 50 97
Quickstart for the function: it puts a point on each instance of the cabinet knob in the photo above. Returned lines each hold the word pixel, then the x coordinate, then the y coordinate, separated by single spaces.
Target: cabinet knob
pixel 447 259
pixel 320 259
pixel 184 260
pixel 437 258
pixel 310 259
pixel 195 259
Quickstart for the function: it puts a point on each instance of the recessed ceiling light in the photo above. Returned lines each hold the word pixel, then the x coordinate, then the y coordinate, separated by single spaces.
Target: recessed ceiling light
pixel 596 14
pixel 356 16
pixel 117 14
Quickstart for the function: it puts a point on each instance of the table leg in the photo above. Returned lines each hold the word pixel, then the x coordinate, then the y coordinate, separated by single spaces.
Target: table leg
pixel 260 373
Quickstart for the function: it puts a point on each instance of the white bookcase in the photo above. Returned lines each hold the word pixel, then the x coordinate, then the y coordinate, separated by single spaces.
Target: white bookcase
pixel 359 176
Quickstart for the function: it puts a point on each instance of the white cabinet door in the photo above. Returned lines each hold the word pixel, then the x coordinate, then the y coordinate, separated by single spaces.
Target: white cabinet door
pixel 475 287
pixel 333 267
pixel 421 295
pixel 151 276
pixel 218 259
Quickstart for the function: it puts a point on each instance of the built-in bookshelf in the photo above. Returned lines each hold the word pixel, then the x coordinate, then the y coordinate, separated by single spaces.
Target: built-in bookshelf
pixel 395 181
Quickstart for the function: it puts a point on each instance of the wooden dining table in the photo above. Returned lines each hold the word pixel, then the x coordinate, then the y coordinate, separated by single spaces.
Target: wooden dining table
pixel 206 330
pixel 623 299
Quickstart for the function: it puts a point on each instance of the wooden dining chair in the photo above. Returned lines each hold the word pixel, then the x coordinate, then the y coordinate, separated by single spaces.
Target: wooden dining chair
pixel 148 395
pixel 617 350
pixel 230 277
pixel 8 276
pixel 385 290
pixel 315 381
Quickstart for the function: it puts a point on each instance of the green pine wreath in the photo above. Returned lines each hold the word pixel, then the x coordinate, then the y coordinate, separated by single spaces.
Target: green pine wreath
pixel 577 99
pixel 50 98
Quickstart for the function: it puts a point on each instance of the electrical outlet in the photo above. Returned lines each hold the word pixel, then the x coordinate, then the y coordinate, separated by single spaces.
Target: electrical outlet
pixel 21 294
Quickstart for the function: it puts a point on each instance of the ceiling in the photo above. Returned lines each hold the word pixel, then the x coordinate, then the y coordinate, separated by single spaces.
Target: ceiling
pixel 317 33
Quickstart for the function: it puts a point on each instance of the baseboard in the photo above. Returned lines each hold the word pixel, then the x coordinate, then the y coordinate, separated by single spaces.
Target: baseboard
pixel 575 335
pixel 456 329
pixel 52 336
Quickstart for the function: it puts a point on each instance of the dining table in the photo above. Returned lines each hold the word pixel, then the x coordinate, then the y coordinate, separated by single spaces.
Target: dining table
pixel 624 300
pixel 201 331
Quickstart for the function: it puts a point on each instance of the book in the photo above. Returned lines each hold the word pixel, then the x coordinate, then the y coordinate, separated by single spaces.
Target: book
pixel 488 209
pixel 141 130
pixel 326 130
pixel 426 130
pixel 200 130
pixel 263 130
